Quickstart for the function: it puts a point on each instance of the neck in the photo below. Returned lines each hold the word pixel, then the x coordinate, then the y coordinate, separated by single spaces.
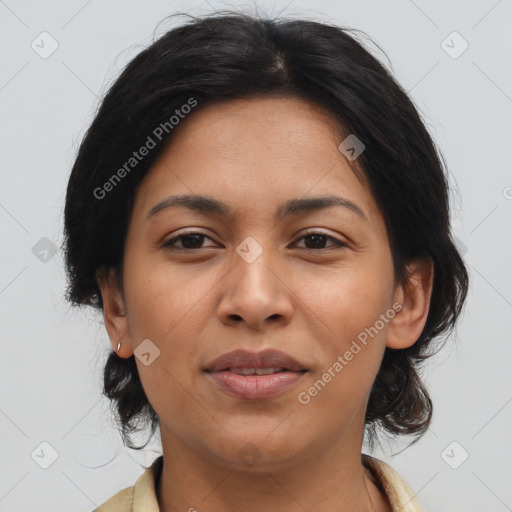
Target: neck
pixel 331 480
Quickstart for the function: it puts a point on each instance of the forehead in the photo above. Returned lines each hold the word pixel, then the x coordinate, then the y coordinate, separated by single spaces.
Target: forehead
pixel 254 153
pixel 289 128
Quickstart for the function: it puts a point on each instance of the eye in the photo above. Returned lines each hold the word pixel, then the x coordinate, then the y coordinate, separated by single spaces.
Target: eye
pixel 317 239
pixel 194 241
pixel 189 241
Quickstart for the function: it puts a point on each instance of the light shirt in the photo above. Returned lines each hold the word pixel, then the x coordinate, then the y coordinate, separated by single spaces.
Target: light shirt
pixel 142 496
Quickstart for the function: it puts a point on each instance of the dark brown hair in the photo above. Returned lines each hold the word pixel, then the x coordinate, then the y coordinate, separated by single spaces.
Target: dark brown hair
pixel 231 56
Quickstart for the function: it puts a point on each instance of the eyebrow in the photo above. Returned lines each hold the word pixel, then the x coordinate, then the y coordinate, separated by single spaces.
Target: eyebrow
pixel 209 205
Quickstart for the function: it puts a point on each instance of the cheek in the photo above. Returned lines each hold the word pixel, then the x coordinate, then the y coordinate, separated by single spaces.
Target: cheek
pixel 166 306
pixel 354 309
pixel 348 300
pixel 160 297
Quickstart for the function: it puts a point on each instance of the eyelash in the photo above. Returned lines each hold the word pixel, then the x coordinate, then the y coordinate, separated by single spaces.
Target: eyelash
pixel 170 243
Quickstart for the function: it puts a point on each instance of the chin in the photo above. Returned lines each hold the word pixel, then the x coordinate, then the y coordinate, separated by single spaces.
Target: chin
pixel 257 452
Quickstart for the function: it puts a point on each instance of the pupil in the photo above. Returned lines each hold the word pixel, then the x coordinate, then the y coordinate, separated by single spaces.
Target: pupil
pixel 195 238
pixel 318 240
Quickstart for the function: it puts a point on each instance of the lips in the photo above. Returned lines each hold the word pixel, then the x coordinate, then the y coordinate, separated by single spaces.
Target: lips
pixel 257 371
pixel 239 360
pixel 255 375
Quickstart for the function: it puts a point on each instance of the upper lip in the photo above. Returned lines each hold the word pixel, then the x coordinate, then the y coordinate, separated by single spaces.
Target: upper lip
pixel 245 359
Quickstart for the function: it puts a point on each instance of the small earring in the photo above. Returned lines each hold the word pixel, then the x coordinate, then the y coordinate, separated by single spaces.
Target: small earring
pixel 118 346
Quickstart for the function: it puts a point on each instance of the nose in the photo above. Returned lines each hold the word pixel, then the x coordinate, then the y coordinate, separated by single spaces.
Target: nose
pixel 256 293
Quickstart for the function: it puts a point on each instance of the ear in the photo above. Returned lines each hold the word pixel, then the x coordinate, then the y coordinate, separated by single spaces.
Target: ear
pixel 114 311
pixel 414 296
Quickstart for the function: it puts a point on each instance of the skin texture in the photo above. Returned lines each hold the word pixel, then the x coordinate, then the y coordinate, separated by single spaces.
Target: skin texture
pixel 310 301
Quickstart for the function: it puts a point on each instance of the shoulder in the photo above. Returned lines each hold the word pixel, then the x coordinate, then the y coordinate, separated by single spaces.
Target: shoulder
pixel 120 502
pixel 398 491
pixel 141 497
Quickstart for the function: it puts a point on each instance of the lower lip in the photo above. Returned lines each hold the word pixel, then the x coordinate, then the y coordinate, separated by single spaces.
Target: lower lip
pixel 254 387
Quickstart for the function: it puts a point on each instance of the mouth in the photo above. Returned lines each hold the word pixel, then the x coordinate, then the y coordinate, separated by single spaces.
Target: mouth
pixel 268 360
pixel 257 371
pixel 251 376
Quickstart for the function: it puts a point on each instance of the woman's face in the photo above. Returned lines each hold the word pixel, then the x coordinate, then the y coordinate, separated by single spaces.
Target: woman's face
pixel 254 279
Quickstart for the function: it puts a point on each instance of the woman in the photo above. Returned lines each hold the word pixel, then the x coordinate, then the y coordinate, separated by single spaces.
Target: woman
pixel 262 218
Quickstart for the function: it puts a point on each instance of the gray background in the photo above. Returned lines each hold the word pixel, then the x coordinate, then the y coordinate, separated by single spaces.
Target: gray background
pixel 52 357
